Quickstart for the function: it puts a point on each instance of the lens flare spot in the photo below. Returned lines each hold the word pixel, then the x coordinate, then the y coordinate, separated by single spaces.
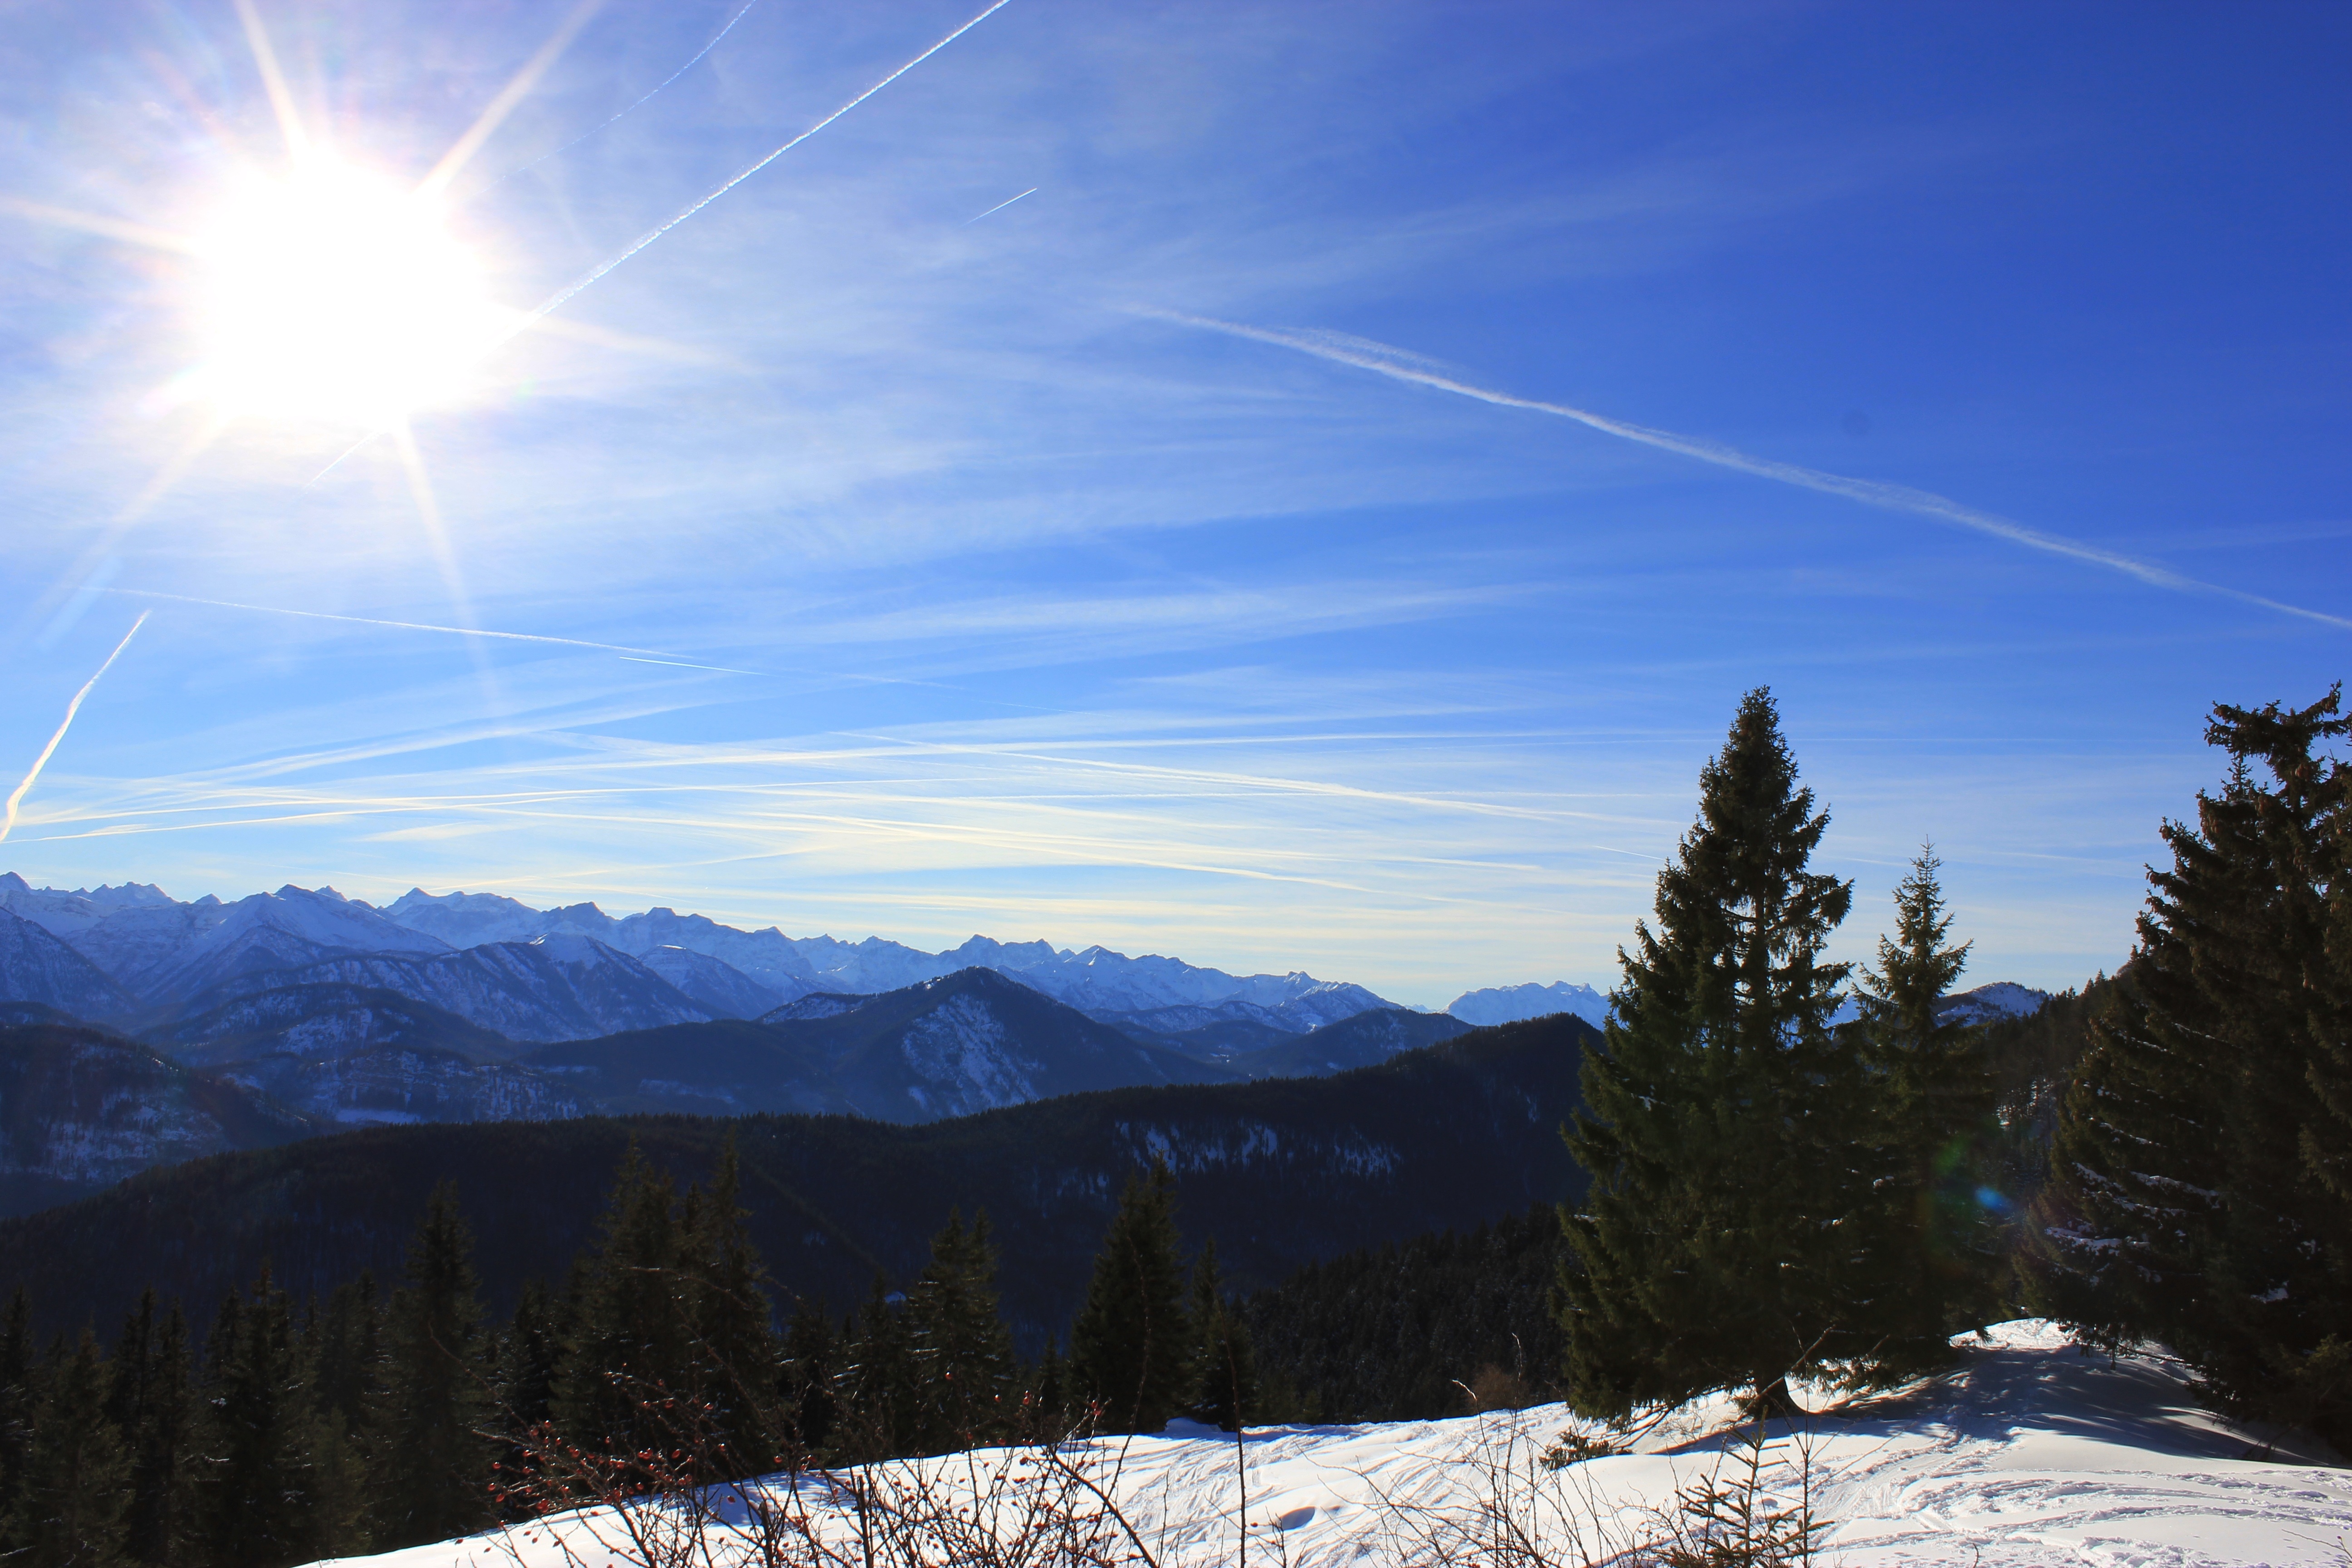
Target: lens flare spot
pixel 335 295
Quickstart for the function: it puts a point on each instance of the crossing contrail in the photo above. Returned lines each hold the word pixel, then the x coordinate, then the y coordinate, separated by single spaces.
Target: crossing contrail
pixel 555 302
pixel 640 103
pixel 1399 365
pixel 652 655
pixel 1001 206
pixel 8 821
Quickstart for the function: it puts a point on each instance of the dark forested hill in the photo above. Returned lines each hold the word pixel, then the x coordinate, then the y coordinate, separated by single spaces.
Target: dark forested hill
pixel 1281 1173
pixel 81 1108
pixel 1404 1331
pixel 966 1042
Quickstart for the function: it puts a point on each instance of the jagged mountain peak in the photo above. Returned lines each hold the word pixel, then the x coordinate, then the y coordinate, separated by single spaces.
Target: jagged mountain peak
pixel 571 947
pixel 172 951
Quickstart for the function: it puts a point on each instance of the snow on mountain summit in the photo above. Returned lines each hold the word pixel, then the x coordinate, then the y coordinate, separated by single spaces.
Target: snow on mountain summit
pixel 1509 1004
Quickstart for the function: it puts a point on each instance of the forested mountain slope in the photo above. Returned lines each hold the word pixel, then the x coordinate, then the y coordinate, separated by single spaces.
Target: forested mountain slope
pixel 80 1109
pixel 1281 1173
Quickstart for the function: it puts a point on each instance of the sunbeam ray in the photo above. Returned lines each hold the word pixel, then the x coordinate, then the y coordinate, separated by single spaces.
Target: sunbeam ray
pixel 488 120
pixel 428 513
pixel 99 224
pixel 124 519
pixel 273 82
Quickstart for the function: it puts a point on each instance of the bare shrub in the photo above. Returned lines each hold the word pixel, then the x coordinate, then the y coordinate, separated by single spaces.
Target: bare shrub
pixel 679 1502
pixel 1493 1387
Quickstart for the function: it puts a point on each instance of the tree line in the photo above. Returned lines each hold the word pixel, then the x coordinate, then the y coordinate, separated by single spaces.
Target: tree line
pixel 1774 1193
pixel 369 1421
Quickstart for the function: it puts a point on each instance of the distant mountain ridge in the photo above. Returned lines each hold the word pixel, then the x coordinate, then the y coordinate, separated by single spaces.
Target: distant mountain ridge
pixel 163 952
pixel 474 1007
pixel 1509 1004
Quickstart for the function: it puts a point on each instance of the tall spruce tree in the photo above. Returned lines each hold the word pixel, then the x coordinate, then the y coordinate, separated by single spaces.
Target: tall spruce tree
pixel 257 1495
pixel 1225 1365
pixel 1130 1347
pixel 151 1406
pixel 734 1350
pixel 631 1325
pixel 875 1418
pixel 1723 1115
pixel 805 1379
pixel 342 1356
pixel 432 1461
pixel 20 1396
pixel 346 1353
pixel 1931 1254
pixel 70 1507
pixel 2190 1199
pixel 960 1350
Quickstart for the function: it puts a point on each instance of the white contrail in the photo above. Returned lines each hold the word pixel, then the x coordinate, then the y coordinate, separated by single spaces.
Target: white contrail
pixel 8 821
pixel 658 656
pixel 1001 206
pixel 640 103
pixel 556 301
pixel 1399 365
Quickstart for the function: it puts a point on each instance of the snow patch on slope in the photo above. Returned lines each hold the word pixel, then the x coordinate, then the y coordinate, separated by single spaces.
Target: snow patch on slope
pixel 2029 1453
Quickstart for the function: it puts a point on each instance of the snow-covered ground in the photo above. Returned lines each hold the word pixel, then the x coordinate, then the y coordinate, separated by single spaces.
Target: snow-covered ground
pixel 2030 1452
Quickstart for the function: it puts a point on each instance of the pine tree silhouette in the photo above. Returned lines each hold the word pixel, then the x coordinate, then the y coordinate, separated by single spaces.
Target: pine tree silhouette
pixel 1929 1251
pixel 1130 1347
pixel 1724 1113
pixel 2197 1194
pixel 430 1463
pixel 1225 1365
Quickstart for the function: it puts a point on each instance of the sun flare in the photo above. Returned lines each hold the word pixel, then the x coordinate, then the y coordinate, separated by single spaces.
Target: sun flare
pixel 335 295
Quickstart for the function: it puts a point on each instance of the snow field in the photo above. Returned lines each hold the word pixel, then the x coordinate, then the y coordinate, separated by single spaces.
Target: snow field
pixel 2030 1452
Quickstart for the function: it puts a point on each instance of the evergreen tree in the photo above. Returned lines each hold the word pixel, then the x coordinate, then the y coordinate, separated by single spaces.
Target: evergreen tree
pixel 71 1501
pixel 346 1353
pixel 734 1339
pixel 530 1359
pixel 342 1358
pixel 811 1364
pixel 432 1461
pixel 1047 1416
pixel 1130 1345
pixel 958 1350
pixel 631 1327
pixel 1725 1116
pixel 1929 1251
pixel 876 1419
pixel 1224 1366
pixel 150 1405
pixel 19 1401
pixel 256 1493
pixel 2189 1200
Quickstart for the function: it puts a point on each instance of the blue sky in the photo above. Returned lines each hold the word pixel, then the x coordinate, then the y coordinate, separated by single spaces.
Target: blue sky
pixel 1041 611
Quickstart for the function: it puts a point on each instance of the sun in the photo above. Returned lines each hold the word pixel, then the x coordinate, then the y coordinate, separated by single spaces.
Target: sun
pixel 335 295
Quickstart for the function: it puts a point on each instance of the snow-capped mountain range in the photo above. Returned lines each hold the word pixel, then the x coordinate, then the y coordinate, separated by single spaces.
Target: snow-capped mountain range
pixel 1509 1004
pixel 470 1007
pixel 629 971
